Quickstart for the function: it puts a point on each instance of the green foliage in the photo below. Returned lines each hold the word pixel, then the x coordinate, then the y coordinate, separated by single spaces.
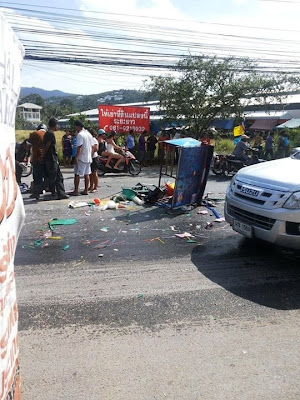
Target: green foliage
pixel 294 136
pixel 19 121
pixel 87 124
pixel 224 146
pixel 205 89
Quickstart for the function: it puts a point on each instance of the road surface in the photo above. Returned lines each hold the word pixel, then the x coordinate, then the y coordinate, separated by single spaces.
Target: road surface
pixel 129 311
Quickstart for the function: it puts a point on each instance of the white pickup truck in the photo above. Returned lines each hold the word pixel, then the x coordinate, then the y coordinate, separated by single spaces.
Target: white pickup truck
pixel 263 201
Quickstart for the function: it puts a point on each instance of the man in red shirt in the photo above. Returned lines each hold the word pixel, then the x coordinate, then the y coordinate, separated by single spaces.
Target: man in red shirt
pixel 38 165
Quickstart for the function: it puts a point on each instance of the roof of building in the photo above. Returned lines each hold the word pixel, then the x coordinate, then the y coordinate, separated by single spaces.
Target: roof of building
pixel 292 123
pixel 263 124
pixel 31 105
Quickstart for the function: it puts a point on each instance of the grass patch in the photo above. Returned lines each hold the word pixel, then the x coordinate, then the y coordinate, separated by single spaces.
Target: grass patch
pixel 223 146
pixel 24 134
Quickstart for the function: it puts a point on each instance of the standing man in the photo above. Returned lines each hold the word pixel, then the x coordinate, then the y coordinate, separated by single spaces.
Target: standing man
pixel 161 148
pixel 280 146
pixel 83 158
pixel 142 148
pixel 94 180
pixel 130 144
pixel 37 159
pixel 54 179
pixel 151 147
pixel 269 151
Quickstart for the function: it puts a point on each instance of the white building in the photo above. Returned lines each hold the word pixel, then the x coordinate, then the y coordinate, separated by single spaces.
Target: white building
pixel 30 112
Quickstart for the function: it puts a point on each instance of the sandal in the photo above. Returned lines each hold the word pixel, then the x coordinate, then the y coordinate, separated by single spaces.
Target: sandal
pixel 83 193
pixel 74 194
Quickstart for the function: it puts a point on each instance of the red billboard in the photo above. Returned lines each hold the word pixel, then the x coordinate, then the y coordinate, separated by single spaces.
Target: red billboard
pixel 124 118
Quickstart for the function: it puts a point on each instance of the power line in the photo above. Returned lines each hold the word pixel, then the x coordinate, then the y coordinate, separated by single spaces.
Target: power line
pixel 147 17
pixel 140 47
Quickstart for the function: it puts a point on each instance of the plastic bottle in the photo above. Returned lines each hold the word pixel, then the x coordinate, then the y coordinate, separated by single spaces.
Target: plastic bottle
pixel 137 201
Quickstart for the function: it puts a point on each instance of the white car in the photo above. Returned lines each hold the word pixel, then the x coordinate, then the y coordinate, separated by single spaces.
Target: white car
pixel 263 201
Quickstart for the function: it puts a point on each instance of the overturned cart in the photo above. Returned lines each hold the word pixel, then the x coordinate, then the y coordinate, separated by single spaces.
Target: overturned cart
pixel 186 166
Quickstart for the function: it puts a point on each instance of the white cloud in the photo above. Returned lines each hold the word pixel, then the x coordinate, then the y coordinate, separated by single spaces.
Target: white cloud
pixel 240 1
pixel 154 8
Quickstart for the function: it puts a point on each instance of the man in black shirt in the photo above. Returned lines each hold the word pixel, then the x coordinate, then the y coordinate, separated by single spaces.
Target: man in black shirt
pixel 54 179
pixel 151 147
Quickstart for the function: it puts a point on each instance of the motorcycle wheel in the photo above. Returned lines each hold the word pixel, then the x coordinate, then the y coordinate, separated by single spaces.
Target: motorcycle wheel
pixel 225 171
pixel 26 169
pixel 134 167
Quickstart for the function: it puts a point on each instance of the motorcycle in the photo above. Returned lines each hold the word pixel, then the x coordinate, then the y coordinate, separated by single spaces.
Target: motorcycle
pixel 129 164
pixel 26 168
pixel 232 165
pixel 217 163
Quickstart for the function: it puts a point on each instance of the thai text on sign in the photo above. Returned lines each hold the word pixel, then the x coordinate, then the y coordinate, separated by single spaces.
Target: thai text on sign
pixel 122 119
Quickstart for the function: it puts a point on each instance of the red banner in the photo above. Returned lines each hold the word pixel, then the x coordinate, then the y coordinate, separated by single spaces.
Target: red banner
pixel 124 118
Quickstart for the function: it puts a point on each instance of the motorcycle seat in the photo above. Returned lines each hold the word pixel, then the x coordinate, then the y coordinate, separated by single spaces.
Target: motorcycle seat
pixel 231 157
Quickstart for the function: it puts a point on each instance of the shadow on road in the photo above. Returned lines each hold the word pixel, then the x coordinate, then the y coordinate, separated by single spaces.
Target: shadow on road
pixel 252 270
pixel 219 178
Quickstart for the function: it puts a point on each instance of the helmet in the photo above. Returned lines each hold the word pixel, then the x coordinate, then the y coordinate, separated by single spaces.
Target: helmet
pixel 101 132
pixel 41 126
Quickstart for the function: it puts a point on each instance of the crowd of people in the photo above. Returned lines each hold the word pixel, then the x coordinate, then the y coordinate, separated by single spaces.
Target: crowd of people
pixel 79 149
pixel 264 144
pixel 82 147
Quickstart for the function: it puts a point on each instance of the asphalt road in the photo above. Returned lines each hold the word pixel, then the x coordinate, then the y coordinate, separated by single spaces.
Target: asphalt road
pixel 130 311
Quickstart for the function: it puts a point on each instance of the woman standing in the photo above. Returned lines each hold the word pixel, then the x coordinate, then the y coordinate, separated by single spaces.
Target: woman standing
pixel 74 148
pixel 94 175
pixel 67 148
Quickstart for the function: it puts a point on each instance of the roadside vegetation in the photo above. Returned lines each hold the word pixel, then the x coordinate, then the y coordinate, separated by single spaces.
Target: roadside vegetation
pixel 207 88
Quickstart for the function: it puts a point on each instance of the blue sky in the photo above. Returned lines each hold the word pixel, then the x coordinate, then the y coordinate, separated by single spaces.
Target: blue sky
pixel 202 24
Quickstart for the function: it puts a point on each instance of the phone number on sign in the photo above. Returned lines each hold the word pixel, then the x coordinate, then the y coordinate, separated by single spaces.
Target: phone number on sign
pixel 127 128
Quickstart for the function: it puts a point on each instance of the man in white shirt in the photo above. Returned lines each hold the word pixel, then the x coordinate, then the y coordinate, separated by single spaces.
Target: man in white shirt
pixel 83 158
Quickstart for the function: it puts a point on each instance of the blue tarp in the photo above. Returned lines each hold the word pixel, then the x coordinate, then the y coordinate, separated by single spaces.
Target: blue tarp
pixel 184 142
pixel 193 169
pixel 225 123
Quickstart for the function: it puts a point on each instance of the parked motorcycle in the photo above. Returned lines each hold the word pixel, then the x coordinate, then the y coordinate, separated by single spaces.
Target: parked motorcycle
pixel 129 164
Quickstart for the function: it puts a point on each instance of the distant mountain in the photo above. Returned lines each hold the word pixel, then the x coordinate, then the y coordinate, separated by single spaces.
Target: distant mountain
pixel 45 94
pixel 76 102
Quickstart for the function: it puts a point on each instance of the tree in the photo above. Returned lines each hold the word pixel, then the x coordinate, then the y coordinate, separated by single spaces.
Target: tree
pixel 33 98
pixel 205 89
pixel 87 124
pixel 67 106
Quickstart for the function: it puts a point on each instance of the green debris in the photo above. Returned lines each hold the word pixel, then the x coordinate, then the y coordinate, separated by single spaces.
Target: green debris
pixel 56 221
